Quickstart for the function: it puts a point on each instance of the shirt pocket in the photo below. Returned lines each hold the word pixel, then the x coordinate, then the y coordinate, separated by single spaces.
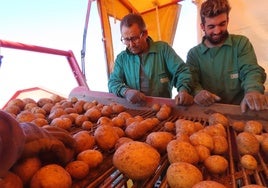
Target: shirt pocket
pixel 163 78
pixel 232 80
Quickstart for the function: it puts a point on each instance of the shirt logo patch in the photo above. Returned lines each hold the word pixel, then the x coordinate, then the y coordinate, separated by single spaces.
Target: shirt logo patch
pixel 164 80
pixel 234 76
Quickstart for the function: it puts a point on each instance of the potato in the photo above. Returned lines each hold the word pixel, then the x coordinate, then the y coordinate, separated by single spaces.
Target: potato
pixel 247 143
pixel 87 125
pixel 264 145
pixel 11 180
pixel 56 113
pixel 249 162
pixel 118 121
pixel 220 145
pixel 79 120
pixel 93 114
pixel 218 118
pixel 202 138
pixel 254 127
pixel 40 122
pixel 121 141
pixel 216 164
pixel 182 137
pixel 208 184
pixel 159 140
pixel 203 152
pixel 183 175
pixel 238 126
pixel 107 110
pixel 215 130
pixel 156 107
pixel 26 168
pixel 77 169
pixel 169 126
pixel 25 116
pixel 253 186
pixel 185 126
pixel 51 175
pixel 12 109
pixel 105 121
pixel 92 157
pixel 62 122
pixel 180 151
pixel 17 102
pixel 136 130
pixel 137 160
pixel 106 137
pixel 117 108
pixel 84 140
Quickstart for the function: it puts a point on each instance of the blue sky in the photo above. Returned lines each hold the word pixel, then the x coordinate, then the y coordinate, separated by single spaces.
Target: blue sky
pixel 59 24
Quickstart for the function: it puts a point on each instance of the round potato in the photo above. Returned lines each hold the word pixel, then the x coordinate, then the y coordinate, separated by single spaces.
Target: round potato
pixel 220 145
pixel 169 126
pixel 92 157
pixel 26 168
pixel 238 126
pixel 254 127
pixel 185 126
pixel 264 145
pixel 106 137
pixel 121 141
pixel 216 164
pixel 218 118
pixel 247 143
pixel 249 162
pixel 159 140
pixel 51 175
pixel 253 186
pixel 209 184
pixel 137 160
pixel 84 140
pixel 202 138
pixel 77 169
pixel 181 151
pixel 203 152
pixel 11 180
pixel 183 175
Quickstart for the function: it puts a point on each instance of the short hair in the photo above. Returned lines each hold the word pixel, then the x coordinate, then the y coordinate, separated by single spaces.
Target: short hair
pixel 131 19
pixel 212 8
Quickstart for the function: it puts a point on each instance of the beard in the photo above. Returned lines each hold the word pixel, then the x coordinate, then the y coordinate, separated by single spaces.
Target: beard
pixel 220 38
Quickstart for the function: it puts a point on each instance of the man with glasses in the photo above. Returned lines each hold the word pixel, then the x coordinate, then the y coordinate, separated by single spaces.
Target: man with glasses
pixel 224 65
pixel 148 68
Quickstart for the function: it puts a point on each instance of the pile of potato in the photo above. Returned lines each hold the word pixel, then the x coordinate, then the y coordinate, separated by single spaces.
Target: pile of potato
pixel 98 129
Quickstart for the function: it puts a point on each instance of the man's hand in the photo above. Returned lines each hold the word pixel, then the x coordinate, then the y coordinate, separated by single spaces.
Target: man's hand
pixel 206 98
pixel 254 101
pixel 184 98
pixel 134 96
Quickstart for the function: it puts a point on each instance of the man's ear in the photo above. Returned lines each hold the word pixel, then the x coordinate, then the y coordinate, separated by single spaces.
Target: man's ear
pixel 202 26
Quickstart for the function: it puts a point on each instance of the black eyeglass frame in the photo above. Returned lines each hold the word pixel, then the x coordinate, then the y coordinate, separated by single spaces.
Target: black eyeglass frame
pixel 134 39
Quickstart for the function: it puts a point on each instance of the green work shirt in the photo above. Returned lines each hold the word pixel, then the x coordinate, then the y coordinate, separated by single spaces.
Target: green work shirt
pixel 162 67
pixel 228 71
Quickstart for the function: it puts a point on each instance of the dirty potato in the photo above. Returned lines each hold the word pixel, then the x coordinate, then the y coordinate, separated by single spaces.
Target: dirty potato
pixel 183 175
pixel 159 140
pixel 137 160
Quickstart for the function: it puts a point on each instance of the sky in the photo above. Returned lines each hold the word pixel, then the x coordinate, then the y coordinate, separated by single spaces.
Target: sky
pixel 59 24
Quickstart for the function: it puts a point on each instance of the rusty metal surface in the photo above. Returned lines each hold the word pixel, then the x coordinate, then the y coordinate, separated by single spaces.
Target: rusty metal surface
pixel 236 176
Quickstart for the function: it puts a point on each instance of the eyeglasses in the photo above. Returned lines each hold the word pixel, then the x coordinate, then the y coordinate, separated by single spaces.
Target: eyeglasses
pixel 134 39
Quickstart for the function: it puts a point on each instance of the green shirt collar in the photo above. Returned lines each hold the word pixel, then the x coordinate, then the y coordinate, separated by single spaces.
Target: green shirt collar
pixel 204 48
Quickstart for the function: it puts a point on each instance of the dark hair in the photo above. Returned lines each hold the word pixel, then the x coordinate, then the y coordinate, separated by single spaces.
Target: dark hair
pixel 212 8
pixel 131 19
